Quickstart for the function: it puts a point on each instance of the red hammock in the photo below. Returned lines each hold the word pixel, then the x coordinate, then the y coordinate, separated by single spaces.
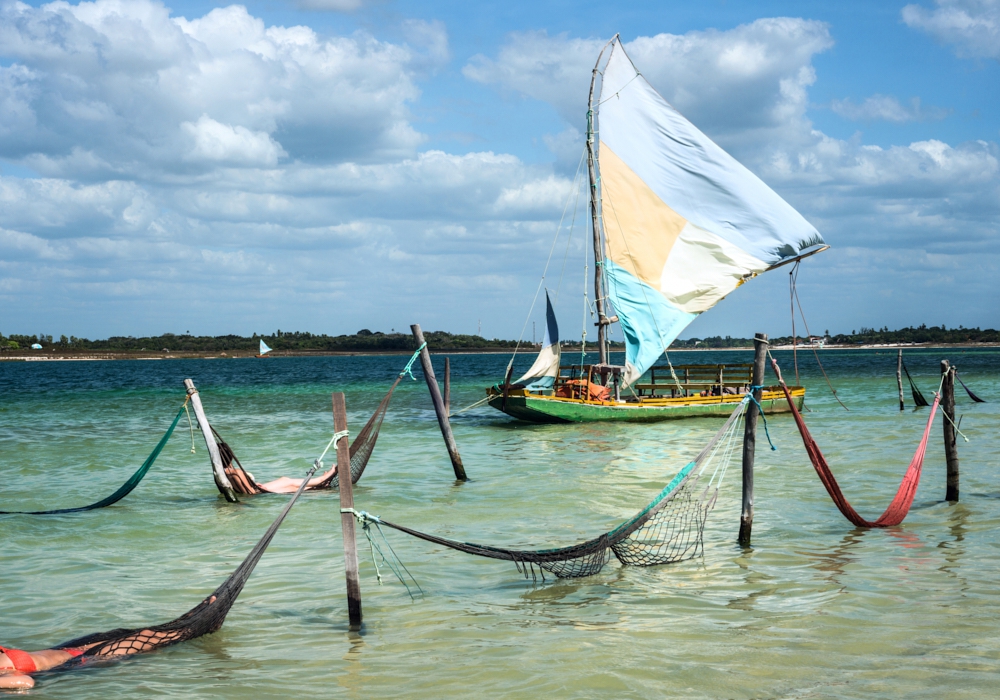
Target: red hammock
pixel 900 505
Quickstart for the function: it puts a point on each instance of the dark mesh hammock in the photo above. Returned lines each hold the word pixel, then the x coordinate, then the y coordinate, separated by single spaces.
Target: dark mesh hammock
pixel 124 490
pixel 918 397
pixel 205 618
pixel 669 529
pixel 361 451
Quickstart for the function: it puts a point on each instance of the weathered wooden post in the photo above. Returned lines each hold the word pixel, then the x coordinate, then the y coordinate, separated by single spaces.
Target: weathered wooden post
pixel 218 469
pixel 347 511
pixel 439 407
pixel 750 437
pixel 447 386
pixel 950 444
pixel 899 377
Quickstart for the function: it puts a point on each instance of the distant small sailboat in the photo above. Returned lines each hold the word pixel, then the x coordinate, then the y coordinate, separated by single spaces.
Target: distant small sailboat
pixel 677 225
pixel 263 349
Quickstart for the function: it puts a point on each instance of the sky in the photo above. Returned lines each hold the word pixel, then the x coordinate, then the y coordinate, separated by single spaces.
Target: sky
pixel 333 165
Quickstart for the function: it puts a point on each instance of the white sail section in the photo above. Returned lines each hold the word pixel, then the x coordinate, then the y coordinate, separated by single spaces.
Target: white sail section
pixel 545 369
pixel 263 348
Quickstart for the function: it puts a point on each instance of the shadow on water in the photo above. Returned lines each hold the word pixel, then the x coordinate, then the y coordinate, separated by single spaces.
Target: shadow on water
pixel 833 563
pixel 954 549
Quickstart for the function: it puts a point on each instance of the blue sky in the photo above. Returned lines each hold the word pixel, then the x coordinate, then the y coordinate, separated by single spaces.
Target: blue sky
pixel 331 165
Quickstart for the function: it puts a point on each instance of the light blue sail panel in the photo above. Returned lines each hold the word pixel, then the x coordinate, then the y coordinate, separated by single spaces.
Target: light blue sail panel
pixel 648 321
pixel 263 348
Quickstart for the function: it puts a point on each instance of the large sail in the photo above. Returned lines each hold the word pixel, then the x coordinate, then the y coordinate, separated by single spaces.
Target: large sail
pixel 684 222
pixel 543 373
pixel 263 348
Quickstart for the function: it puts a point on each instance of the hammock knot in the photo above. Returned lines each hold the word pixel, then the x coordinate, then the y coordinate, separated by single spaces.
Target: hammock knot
pixel 408 370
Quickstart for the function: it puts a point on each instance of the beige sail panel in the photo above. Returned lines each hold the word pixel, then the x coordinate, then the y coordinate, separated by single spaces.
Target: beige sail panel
pixel 639 228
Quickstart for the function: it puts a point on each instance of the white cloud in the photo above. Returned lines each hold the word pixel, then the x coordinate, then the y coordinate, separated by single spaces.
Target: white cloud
pixel 236 145
pixel 733 83
pixel 250 159
pixel 330 5
pixel 887 108
pixel 120 88
pixel 972 26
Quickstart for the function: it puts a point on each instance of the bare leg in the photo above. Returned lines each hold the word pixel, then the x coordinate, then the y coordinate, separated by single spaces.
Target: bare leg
pixel 15 680
pixel 288 485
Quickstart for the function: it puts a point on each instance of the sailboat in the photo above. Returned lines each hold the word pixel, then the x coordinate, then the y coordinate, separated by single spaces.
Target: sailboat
pixel 263 349
pixel 677 225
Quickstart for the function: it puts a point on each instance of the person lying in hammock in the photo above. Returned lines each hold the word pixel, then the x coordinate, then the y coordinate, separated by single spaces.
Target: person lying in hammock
pixel 244 483
pixel 15 664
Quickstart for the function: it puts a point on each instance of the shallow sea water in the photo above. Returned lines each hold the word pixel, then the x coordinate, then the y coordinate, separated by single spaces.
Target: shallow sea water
pixel 816 609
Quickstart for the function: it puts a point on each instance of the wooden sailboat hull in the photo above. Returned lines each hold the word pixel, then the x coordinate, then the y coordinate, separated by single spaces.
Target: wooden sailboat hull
pixel 536 408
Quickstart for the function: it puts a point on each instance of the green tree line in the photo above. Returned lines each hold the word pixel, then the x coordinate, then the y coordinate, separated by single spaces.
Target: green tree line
pixel 368 341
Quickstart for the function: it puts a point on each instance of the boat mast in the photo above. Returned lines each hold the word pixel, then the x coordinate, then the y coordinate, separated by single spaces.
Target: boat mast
pixel 602 319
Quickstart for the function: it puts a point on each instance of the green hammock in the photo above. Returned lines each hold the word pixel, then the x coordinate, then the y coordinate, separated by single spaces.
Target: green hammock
pixel 122 492
pixel 669 529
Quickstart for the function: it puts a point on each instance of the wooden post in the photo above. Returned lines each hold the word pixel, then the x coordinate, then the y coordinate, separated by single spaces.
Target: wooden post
pixel 950 445
pixel 439 407
pixel 899 377
pixel 218 469
pixel 447 386
pixel 347 519
pixel 750 438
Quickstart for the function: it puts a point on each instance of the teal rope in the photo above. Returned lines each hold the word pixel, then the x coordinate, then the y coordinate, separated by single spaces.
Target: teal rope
pixel 753 398
pixel 409 365
pixel 125 489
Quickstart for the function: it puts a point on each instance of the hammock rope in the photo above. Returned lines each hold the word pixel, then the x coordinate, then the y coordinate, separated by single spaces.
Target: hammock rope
pixel 125 489
pixel 204 618
pixel 900 505
pixel 669 529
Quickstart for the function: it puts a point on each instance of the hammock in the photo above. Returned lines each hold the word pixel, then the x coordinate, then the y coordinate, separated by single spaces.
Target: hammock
pixel 669 529
pixel 204 618
pixel 900 505
pixel 968 390
pixel 918 398
pixel 125 488
pixel 361 449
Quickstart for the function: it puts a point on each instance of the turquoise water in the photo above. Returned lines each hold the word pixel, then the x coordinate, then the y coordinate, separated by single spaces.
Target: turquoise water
pixel 816 609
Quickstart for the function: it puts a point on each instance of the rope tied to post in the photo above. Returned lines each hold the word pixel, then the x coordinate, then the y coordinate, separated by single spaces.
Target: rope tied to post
pixel 760 408
pixel 392 561
pixel 336 437
pixel 408 370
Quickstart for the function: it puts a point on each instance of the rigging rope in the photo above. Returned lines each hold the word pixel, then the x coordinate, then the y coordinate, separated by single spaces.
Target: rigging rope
pixel 900 505
pixel 795 293
pixel 545 270
pixel 125 489
pixel 669 529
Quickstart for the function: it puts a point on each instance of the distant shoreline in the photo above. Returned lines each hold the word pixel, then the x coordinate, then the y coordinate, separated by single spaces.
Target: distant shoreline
pixel 43 356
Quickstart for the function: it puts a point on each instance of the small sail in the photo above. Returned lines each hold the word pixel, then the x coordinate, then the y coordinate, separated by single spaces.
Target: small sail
pixel 263 348
pixel 684 222
pixel 545 369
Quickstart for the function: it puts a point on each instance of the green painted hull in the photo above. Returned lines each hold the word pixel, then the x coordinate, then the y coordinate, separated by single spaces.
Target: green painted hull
pixel 538 409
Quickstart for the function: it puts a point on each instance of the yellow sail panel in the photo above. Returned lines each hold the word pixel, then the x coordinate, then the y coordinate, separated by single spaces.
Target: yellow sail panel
pixel 639 228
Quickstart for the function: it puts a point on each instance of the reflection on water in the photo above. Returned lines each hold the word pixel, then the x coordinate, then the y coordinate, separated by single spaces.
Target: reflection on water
pixel 817 608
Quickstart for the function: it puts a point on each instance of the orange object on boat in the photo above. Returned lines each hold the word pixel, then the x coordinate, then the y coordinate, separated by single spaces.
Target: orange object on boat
pixel 576 388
